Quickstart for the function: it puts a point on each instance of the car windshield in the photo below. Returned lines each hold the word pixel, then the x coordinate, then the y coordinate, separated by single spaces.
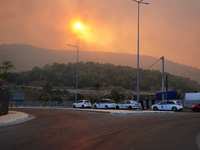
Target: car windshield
pixel 170 102
pixel 161 103
pixel 111 101
pixel 106 101
pixel 179 102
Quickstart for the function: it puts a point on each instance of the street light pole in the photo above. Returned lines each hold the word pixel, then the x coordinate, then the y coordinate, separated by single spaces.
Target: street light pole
pixel 163 77
pixel 138 51
pixel 77 51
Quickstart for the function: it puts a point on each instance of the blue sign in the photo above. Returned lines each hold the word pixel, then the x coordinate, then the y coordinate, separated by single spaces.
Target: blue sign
pixel 18 96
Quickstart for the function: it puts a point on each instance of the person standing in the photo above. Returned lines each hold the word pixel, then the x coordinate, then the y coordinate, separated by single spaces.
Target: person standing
pixel 147 103
pixel 142 104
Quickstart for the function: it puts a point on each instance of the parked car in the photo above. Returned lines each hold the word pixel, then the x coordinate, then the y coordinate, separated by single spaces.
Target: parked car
pixel 82 104
pixel 104 103
pixel 196 108
pixel 168 105
pixel 128 104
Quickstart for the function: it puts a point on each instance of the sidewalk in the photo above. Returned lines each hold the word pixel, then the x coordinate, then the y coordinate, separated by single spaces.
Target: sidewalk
pixel 118 111
pixel 16 116
pixel 12 117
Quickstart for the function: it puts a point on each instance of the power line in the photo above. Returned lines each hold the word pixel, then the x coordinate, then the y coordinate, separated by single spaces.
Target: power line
pixel 149 67
pixel 183 68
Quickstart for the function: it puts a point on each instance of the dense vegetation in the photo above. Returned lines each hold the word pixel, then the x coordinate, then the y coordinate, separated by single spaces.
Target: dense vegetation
pixel 4 69
pixel 100 76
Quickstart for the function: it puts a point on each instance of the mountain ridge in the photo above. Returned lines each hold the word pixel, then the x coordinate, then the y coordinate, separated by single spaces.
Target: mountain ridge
pixel 26 57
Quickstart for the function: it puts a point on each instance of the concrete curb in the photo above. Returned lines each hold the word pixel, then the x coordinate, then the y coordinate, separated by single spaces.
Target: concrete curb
pixel 12 117
pixel 144 112
pixel 15 116
pixel 111 111
pixel 120 111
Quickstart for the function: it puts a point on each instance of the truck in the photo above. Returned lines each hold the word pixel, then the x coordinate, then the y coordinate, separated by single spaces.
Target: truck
pixel 169 95
pixel 191 99
pixel 191 96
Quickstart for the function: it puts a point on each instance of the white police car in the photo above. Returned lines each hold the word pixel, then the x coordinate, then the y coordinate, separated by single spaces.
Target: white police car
pixel 104 103
pixel 168 105
pixel 82 104
pixel 128 104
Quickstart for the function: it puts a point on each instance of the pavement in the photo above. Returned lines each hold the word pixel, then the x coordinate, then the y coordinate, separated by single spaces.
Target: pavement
pixel 14 117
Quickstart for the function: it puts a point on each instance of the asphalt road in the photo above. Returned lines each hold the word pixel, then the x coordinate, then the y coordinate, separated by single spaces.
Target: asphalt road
pixel 70 130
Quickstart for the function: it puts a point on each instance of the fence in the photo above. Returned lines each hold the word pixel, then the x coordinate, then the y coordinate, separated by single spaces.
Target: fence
pixel 40 103
pixel 190 103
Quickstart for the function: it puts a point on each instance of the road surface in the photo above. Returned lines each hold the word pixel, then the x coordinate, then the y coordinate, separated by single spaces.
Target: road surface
pixel 70 130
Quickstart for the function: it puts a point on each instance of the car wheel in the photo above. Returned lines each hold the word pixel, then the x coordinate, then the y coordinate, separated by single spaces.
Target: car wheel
pixel 82 106
pixel 117 107
pixel 174 109
pixel 196 109
pixel 95 107
pixel 129 107
pixel 74 106
pixel 155 108
pixel 106 107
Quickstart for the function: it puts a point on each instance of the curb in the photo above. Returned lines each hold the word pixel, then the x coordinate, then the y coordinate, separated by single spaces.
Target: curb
pixel 111 111
pixel 13 117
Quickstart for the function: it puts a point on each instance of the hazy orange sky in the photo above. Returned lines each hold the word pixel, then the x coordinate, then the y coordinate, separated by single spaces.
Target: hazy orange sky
pixel 167 28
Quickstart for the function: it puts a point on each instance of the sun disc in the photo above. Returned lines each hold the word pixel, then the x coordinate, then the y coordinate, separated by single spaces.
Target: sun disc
pixel 78 26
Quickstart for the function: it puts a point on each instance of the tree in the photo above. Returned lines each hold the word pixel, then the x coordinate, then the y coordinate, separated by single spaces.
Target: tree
pixel 4 93
pixel 117 95
pixel 43 97
pixel 48 88
pixel 106 75
pixel 97 86
pixel 4 68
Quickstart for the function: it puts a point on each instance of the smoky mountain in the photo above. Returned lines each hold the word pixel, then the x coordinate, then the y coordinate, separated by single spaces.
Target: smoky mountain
pixel 26 57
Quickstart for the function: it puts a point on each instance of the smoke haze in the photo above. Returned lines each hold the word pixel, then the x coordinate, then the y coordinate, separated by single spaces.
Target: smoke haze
pixel 167 28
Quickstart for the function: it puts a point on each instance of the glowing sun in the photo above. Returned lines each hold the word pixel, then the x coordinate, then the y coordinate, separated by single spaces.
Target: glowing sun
pixel 78 26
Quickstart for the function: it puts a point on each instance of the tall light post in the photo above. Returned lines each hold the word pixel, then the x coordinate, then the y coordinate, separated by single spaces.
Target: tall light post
pixel 138 51
pixel 163 77
pixel 76 69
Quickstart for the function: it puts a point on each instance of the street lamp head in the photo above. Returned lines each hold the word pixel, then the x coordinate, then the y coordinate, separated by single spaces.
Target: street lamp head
pixel 141 1
pixel 72 46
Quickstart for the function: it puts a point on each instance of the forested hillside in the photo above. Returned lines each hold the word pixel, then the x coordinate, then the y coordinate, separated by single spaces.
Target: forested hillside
pixel 93 75
pixel 25 57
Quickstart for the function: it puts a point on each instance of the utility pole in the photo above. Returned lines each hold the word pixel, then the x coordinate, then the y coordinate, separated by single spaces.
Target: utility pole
pixel 138 51
pixel 163 77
